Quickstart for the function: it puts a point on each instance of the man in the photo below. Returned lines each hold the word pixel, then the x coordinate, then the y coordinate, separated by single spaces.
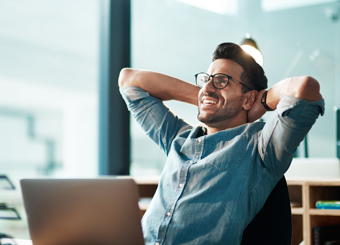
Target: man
pixel 218 176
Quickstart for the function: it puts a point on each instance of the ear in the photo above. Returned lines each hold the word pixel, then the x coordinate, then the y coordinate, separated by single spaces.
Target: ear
pixel 249 99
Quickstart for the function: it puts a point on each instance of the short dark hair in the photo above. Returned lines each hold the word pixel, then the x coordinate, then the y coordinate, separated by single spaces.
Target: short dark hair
pixel 253 75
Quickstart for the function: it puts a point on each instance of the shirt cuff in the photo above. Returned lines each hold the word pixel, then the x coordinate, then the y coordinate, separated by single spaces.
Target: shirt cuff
pixel 288 102
pixel 131 93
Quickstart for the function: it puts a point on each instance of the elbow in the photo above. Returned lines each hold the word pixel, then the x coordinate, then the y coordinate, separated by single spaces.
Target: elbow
pixel 124 78
pixel 308 89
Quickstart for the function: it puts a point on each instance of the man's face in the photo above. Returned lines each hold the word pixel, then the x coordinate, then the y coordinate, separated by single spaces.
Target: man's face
pixel 217 106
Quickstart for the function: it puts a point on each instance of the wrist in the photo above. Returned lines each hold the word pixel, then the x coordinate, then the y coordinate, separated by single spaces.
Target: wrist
pixel 264 101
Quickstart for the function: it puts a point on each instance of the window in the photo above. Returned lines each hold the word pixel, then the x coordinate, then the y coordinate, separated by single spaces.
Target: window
pixel 48 95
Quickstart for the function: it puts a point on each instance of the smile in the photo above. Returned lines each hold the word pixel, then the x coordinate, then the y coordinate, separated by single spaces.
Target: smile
pixel 206 101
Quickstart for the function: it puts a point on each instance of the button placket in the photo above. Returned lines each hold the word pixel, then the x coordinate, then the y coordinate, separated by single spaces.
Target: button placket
pixel 199 148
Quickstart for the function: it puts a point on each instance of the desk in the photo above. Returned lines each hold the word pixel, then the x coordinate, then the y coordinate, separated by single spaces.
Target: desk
pixel 146 187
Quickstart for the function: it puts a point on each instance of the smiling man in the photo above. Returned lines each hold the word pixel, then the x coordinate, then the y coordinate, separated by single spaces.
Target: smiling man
pixel 218 175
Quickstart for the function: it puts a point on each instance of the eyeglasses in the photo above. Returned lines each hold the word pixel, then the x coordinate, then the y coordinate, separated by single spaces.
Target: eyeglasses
pixel 219 80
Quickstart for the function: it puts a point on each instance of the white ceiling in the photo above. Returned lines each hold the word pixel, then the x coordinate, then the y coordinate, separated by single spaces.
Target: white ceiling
pixel 230 7
pixel 270 5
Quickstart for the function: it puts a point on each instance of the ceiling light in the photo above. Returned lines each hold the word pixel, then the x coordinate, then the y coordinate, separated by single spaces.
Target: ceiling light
pixel 249 45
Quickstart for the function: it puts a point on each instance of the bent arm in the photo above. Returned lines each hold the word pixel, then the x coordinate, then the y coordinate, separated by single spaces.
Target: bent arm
pixel 294 117
pixel 159 85
pixel 303 87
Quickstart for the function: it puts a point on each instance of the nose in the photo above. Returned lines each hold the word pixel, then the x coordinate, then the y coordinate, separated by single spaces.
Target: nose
pixel 208 86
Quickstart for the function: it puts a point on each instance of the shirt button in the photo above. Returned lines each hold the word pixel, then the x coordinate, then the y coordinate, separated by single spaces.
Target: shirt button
pixel 199 140
pixel 157 243
pixel 180 185
pixel 191 161
pixel 168 214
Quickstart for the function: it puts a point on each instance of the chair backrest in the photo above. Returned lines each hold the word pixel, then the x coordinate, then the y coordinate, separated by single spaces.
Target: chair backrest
pixel 273 224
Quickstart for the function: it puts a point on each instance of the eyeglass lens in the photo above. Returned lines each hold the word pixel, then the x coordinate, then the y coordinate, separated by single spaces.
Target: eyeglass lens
pixel 219 81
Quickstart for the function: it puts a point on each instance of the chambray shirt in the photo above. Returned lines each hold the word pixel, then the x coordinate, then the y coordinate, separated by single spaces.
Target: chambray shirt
pixel 212 186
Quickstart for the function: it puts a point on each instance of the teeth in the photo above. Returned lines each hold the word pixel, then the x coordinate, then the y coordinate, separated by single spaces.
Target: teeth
pixel 209 102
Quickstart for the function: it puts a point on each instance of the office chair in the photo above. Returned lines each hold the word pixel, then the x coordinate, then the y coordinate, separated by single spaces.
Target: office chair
pixel 273 224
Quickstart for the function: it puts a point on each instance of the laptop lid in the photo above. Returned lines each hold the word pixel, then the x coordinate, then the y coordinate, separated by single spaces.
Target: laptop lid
pixel 82 211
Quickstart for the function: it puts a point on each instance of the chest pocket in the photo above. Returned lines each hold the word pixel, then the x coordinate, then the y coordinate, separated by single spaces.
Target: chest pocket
pixel 228 154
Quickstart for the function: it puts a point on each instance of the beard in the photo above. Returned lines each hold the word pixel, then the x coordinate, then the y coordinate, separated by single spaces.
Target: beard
pixel 231 109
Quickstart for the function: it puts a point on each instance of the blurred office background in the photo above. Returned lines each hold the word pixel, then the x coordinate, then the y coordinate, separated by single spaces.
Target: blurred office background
pixel 49 74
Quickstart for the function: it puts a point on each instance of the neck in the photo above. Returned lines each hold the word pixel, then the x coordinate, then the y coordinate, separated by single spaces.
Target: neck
pixel 234 122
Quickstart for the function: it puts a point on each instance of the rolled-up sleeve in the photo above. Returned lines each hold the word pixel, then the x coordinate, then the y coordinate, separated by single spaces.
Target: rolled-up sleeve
pixel 285 130
pixel 156 119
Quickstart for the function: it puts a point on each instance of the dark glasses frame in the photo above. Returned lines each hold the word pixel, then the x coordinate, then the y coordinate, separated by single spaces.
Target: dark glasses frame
pixel 213 80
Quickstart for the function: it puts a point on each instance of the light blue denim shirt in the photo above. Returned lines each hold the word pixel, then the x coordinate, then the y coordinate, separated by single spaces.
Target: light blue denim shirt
pixel 212 186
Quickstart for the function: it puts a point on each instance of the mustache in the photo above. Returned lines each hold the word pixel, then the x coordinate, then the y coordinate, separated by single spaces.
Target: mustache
pixel 212 95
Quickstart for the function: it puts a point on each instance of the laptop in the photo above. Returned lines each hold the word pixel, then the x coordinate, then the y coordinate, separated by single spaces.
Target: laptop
pixel 82 211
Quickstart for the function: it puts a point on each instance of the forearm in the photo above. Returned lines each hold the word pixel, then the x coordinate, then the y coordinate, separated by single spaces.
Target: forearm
pixel 303 87
pixel 159 85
